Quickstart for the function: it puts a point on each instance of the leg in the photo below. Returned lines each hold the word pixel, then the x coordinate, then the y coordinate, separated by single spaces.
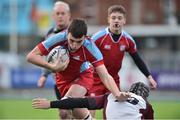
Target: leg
pixel 78 91
pixel 65 114
pixel 93 112
pixel 62 115
pixel 97 90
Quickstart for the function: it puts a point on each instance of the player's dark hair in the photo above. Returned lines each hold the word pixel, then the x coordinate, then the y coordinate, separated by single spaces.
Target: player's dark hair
pixel 77 28
pixel 140 89
pixel 116 8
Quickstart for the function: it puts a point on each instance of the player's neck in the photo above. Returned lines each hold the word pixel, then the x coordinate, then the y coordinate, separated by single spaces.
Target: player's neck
pixel 116 32
pixel 61 28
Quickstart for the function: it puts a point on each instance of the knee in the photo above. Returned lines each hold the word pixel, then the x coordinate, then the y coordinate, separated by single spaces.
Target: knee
pixel 64 114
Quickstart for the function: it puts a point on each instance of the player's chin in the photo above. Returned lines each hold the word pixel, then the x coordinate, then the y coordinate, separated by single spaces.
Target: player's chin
pixel 60 24
pixel 73 49
pixel 116 29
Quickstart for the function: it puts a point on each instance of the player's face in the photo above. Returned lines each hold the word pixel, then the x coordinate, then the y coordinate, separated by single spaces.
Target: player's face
pixel 74 43
pixel 116 21
pixel 61 16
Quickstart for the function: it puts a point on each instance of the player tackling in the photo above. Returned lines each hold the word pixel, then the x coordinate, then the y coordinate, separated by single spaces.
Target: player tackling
pixel 135 108
pixel 77 79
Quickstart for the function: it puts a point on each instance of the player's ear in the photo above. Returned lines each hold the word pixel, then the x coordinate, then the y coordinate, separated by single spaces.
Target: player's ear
pixel 124 20
pixel 108 19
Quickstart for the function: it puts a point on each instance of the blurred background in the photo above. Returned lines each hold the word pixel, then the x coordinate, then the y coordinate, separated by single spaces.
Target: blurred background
pixel 154 24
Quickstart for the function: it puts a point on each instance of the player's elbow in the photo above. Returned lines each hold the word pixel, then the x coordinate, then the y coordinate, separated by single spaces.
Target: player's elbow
pixel 29 57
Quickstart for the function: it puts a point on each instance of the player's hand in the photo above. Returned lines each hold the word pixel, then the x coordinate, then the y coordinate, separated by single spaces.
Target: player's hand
pixel 40 103
pixel 123 96
pixel 153 84
pixel 60 65
pixel 41 82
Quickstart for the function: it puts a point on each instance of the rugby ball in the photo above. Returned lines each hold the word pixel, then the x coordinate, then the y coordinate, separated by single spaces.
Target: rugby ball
pixel 58 52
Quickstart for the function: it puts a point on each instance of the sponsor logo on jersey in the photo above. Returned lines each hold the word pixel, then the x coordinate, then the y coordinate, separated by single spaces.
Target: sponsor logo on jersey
pixel 122 47
pixel 76 57
pixel 108 47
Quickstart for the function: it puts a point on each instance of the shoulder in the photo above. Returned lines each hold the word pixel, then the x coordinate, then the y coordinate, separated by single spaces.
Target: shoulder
pixel 88 42
pixel 61 35
pixel 140 100
pixel 90 47
pixel 50 31
pixel 127 35
pixel 138 97
pixel 54 39
pixel 99 34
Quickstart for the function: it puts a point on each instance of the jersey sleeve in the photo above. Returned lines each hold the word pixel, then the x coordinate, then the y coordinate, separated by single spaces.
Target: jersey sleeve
pixel 131 43
pixel 94 55
pixel 98 37
pixel 51 42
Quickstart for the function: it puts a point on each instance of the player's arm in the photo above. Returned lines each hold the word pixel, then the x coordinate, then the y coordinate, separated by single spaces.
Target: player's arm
pixel 110 84
pixel 106 78
pixel 43 77
pixel 45 72
pixel 36 57
pixel 67 103
pixel 143 68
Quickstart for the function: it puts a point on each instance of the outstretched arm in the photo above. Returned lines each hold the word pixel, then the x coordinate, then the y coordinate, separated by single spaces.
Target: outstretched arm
pixel 91 103
pixel 143 68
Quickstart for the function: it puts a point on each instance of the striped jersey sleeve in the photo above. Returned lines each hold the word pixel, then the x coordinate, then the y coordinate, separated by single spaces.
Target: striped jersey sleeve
pixel 93 53
pixel 132 45
pixel 52 41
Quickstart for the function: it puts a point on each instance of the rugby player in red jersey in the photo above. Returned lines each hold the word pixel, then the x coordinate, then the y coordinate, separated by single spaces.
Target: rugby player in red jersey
pixel 75 76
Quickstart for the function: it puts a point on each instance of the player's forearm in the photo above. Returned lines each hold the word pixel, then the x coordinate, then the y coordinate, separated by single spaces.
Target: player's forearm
pixel 111 86
pixel 38 60
pixel 107 80
pixel 71 103
pixel 45 72
pixel 143 67
pixel 141 64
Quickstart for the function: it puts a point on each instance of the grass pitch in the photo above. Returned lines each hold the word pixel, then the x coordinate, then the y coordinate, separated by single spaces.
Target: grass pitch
pixel 21 109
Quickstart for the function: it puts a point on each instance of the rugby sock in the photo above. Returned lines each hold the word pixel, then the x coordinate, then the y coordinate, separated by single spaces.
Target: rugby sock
pixel 88 117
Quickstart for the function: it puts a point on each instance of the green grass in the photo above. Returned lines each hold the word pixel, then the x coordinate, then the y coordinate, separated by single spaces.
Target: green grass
pixel 166 110
pixel 21 109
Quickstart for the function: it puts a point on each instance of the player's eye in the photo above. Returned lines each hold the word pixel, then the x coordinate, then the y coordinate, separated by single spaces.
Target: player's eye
pixel 79 42
pixel 74 41
pixel 113 18
pixel 120 18
pixel 57 13
pixel 62 13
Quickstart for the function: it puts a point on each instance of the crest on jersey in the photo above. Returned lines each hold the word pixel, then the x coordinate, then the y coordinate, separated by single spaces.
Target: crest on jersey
pixel 122 47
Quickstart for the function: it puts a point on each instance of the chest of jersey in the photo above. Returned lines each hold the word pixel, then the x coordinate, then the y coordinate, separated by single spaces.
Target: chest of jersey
pixel 113 52
pixel 74 67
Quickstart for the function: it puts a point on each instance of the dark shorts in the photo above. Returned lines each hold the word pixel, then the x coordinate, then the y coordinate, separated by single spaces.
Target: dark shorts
pixel 57 92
